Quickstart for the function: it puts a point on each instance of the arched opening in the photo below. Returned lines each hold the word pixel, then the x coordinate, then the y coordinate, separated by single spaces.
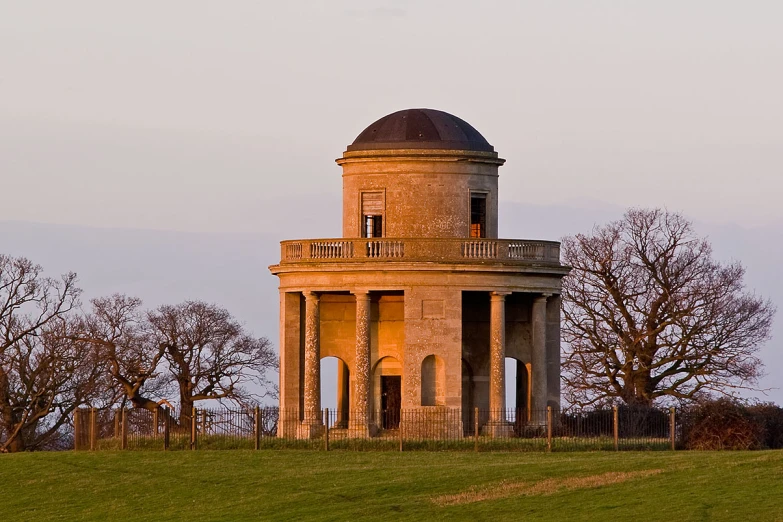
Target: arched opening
pixel 335 390
pixel 433 381
pixel 387 393
pixel 517 389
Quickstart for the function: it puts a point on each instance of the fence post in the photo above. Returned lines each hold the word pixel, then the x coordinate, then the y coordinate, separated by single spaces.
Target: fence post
pixel 549 428
pixel 475 428
pixel 258 427
pixel 166 427
pixel 326 432
pixel 93 430
pixel 155 430
pixel 672 427
pixel 193 428
pixel 117 423
pixel 124 429
pixel 77 429
pixel 616 428
pixel 399 428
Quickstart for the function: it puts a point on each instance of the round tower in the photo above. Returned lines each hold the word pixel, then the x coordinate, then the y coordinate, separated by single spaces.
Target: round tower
pixel 419 301
pixel 420 173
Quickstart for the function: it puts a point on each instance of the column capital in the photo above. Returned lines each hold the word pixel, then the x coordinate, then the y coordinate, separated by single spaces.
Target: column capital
pixel 361 293
pixel 542 297
pixel 499 296
pixel 310 295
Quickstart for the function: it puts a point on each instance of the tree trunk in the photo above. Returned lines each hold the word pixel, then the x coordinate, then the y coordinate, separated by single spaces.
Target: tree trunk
pixel 144 403
pixel 16 444
pixel 185 410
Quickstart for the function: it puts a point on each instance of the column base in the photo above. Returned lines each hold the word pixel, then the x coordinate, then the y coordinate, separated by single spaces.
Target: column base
pixel 498 429
pixel 310 430
pixel 362 430
pixel 538 418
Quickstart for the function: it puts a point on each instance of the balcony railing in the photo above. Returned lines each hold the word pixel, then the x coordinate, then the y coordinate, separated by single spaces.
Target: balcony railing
pixel 420 249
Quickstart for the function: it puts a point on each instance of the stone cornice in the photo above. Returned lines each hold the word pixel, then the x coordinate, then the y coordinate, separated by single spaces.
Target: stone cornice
pixel 476 267
pixel 447 155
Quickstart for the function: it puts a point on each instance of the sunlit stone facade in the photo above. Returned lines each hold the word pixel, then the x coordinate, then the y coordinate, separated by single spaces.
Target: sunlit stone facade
pixel 419 300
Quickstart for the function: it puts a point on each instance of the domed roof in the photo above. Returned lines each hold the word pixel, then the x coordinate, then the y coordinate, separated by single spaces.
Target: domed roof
pixel 420 129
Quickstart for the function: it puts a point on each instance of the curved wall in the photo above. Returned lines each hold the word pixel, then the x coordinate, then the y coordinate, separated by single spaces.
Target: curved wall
pixel 425 195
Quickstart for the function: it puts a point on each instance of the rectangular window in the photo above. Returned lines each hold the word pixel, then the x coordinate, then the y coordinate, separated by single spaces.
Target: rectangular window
pixel 478 215
pixel 373 206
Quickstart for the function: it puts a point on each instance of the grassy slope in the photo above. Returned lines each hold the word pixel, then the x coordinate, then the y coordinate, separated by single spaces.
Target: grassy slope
pixel 235 485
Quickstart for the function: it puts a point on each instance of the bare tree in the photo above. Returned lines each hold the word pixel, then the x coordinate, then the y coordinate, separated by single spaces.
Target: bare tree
pixel 649 314
pixel 122 335
pixel 209 354
pixel 44 374
pixel 50 376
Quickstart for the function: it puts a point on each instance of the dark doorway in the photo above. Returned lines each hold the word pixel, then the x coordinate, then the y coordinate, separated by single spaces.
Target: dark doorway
pixel 391 400
pixel 373 226
pixel 468 386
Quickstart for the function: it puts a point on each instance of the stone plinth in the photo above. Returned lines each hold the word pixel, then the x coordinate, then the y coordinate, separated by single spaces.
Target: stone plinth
pixel 432 423
pixel 498 429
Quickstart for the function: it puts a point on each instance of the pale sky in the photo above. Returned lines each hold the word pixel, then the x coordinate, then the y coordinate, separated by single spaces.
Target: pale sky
pixel 225 117
pixel 210 116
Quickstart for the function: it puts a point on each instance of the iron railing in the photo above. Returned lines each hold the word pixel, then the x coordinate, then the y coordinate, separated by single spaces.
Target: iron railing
pixel 403 429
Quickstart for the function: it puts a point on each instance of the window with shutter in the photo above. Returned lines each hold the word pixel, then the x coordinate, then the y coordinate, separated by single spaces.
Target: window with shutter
pixel 373 206
pixel 478 215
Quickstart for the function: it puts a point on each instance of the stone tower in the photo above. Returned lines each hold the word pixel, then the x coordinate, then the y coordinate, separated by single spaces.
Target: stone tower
pixel 419 300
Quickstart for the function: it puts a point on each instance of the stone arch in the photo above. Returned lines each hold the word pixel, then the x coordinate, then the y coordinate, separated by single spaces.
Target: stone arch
pixel 517 386
pixel 433 381
pixel 336 375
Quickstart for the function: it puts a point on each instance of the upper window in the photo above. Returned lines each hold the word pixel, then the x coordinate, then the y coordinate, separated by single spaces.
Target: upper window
pixel 478 215
pixel 372 214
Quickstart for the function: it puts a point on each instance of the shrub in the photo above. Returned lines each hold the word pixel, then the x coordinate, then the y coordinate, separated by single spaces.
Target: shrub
pixel 770 416
pixel 722 424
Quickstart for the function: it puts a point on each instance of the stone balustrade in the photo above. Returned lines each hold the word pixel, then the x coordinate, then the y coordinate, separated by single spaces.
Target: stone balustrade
pixel 419 249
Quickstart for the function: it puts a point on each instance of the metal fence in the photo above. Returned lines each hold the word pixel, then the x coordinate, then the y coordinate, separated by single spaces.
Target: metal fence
pixel 425 428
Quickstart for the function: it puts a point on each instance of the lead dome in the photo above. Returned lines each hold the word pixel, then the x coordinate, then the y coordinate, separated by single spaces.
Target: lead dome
pixel 421 129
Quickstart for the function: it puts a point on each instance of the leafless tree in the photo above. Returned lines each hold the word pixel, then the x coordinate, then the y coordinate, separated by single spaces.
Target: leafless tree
pixel 53 360
pixel 121 333
pixel 648 314
pixel 209 354
pixel 44 374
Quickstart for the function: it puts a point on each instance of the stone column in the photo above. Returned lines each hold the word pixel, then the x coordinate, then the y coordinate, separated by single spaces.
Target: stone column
pixel 538 362
pixel 360 417
pixel 553 305
pixel 312 365
pixel 497 424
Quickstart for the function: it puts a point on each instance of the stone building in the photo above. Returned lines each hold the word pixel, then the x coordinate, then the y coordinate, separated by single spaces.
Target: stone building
pixel 419 300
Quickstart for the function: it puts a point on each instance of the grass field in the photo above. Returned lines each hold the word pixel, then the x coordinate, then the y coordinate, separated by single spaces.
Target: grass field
pixel 342 485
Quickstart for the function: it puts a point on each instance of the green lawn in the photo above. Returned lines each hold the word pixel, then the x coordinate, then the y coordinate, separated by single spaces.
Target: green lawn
pixel 343 485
